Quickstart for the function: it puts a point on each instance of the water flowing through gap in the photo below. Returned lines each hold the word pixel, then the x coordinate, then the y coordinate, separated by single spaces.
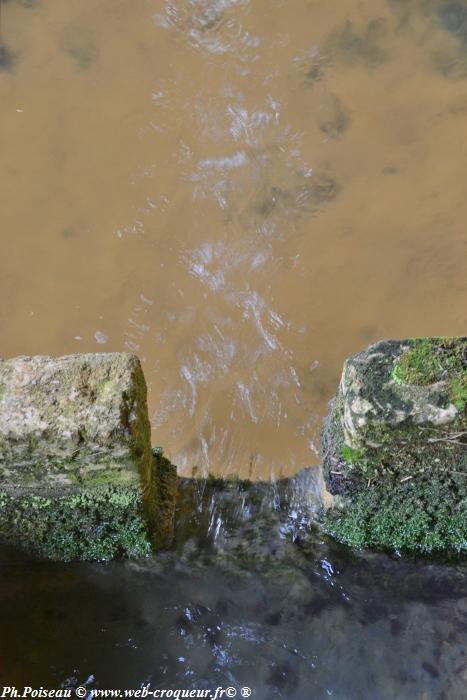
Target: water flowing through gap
pixel 243 193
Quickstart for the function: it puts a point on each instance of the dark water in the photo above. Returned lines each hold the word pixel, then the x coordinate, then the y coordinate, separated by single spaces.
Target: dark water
pixel 251 595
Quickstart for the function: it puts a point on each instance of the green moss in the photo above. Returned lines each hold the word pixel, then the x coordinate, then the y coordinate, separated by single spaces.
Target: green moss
pixel 225 482
pixel 162 499
pixel 352 455
pixel 418 365
pixel 406 491
pixel 402 477
pixel 215 481
pixel 112 469
pixel 427 515
pixel 457 390
pixel 427 361
pixel 92 524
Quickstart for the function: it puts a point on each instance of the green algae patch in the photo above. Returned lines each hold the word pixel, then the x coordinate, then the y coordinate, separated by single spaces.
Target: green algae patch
pixel 394 448
pixel 351 455
pixel 97 523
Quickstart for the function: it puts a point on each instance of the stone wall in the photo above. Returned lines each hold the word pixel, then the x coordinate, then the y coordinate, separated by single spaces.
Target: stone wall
pixel 394 447
pixel 77 475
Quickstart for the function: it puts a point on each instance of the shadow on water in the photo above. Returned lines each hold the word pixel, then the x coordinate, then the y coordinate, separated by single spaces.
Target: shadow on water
pixel 334 118
pixel 453 18
pixel 6 58
pixel 442 19
pixel 78 42
pixel 364 47
pixel 346 45
pixel 250 595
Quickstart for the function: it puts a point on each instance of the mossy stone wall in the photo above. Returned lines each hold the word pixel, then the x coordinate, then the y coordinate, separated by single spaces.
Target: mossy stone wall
pixel 394 447
pixel 77 475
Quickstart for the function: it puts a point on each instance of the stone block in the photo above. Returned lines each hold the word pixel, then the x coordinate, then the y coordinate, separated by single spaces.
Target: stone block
pixel 394 447
pixel 77 475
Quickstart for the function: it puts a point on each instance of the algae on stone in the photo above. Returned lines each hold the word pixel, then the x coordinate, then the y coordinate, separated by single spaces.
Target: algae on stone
pixel 77 474
pixel 73 419
pixel 164 490
pixel 394 447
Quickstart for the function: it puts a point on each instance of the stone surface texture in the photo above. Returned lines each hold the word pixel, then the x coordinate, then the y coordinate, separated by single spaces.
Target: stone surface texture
pixel 77 475
pixel 394 446
pixel 73 420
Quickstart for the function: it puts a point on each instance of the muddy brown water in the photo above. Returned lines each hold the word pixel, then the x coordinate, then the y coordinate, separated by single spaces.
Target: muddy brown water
pixel 243 192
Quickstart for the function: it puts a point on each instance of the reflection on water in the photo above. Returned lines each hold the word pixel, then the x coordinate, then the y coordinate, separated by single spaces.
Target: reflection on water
pixel 250 596
pixel 241 192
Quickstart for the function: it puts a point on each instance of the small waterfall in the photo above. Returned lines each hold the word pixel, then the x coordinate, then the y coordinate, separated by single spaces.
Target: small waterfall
pixel 237 520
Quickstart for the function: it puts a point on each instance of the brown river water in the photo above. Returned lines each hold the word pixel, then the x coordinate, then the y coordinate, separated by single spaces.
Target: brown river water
pixel 243 192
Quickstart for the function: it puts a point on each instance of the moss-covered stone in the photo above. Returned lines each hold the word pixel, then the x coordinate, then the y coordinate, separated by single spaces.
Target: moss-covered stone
pixel 91 523
pixel 429 360
pixel 394 447
pixel 428 515
pixel 77 475
pixel 69 419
